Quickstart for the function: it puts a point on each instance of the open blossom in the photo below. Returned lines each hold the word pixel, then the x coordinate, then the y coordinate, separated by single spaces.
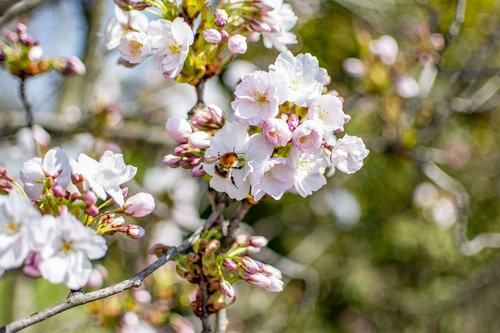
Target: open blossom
pixel 67 252
pixel 17 215
pixel 308 136
pixel 258 97
pixel 328 109
pixel 303 76
pixel 122 22
pixel 55 164
pixel 237 44
pixel 348 154
pixel 276 132
pixel 172 39
pixel 135 47
pixel 280 21
pixel 276 178
pixel 106 176
pixel 252 153
pixel 308 171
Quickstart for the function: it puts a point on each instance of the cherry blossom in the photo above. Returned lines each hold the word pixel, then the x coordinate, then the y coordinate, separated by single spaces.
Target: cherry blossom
pixel 348 154
pixel 276 132
pixel 55 164
pixel 258 96
pixel 328 109
pixel 106 176
pixel 135 47
pixel 122 22
pixel 280 21
pixel 308 171
pixel 276 178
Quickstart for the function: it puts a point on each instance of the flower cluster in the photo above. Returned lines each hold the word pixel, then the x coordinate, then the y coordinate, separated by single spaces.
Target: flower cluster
pixel 190 52
pixel 222 270
pixel 284 136
pixel 23 56
pixel 53 223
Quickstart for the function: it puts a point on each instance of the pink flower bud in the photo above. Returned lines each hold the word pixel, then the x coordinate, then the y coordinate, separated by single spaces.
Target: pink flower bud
pixel 347 119
pixel 229 264
pixel 58 191
pixel 134 231
pixel 74 66
pixel 31 264
pixel 293 122
pixel 258 241
pixel 276 132
pixel 226 288
pixel 212 35
pixel 139 205
pixel 89 198
pixel 92 210
pixel 116 222
pixel 198 171
pixel 35 53
pixel 237 44
pixel 269 270
pixel 171 160
pixel 241 239
pixel 257 279
pixel 220 17
pixel 275 285
pixel 125 192
pixel 224 34
pixel 97 276
pixel 178 128
pixel 249 265
pixel 199 139
pixel 216 114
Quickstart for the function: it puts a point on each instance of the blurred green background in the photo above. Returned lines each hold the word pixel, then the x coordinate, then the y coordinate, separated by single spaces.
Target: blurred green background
pixel 407 244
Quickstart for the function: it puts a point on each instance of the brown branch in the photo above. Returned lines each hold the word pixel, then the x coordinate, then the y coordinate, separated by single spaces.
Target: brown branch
pixel 234 224
pixel 26 103
pixel 18 9
pixel 77 299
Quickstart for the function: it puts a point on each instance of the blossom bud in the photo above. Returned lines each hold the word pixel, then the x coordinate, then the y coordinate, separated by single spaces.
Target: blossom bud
pixel 5 184
pixel 35 53
pixel 241 239
pixel 97 276
pixel 178 128
pixel 347 119
pixel 89 198
pixel 116 222
pixel 226 288
pixel 58 191
pixel 199 139
pixel 229 264
pixel 212 35
pixel 92 210
pixel 224 35
pixel 269 270
pixel 198 171
pixel 125 192
pixel 293 122
pixel 275 285
pixel 194 161
pixel 257 279
pixel 249 265
pixel 213 245
pixel 276 132
pixel 220 17
pixel 171 160
pixel 134 231
pixel 74 66
pixel 216 114
pixel 139 205
pixel 237 44
pixel 31 264
pixel 181 149
pixel 74 196
pixel 258 241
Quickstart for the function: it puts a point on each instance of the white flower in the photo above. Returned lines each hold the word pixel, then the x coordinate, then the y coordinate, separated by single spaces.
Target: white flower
pixel 348 154
pixel 55 164
pixel 252 153
pixel 237 44
pixel 135 47
pixel 308 136
pixel 303 76
pixel 66 255
pixel 172 39
pixel 308 171
pixel 276 178
pixel 328 109
pixel 280 20
pixel 122 22
pixel 199 139
pixel 258 97
pixel 386 48
pixel 105 176
pixel 17 215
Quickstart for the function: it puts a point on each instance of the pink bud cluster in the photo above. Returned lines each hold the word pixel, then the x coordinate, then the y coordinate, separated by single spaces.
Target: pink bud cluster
pixel 193 136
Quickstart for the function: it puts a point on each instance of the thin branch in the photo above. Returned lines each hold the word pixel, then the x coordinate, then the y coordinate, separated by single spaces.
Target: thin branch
pixel 234 224
pixel 200 87
pixel 458 20
pixel 18 9
pixel 77 299
pixel 26 103
pixel 221 321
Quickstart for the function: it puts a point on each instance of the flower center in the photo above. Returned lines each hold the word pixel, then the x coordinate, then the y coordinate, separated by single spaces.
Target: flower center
pixel 12 228
pixel 303 164
pixel 260 98
pixel 135 47
pixel 175 48
pixel 323 114
pixel 67 247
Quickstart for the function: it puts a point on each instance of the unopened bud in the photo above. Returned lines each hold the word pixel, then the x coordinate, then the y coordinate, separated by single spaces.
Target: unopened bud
pixel 271 271
pixel 220 17
pixel 92 210
pixel 213 245
pixel 257 279
pixel 198 171
pixel 171 160
pixel 74 66
pixel 258 241
pixel 226 288
pixel 241 239
pixel 249 265
pixel 275 285
pixel 199 139
pixel 224 34
pixel 134 231
pixel 58 191
pixel 139 205
pixel 178 128
pixel 31 264
pixel 89 198
pixel 229 264
pixel 237 44
pixel 212 35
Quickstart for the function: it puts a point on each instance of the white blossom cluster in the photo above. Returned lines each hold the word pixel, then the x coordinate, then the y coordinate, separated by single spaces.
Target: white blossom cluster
pixel 51 224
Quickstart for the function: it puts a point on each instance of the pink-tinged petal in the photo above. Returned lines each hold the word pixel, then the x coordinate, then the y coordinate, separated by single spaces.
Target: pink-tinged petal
pixel 117 195
pixel 182 31
pixel 55 268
